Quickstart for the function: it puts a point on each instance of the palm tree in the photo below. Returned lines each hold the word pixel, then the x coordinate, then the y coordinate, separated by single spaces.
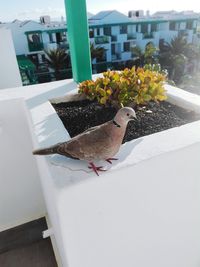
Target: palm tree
pixel 173 57
pixel 138 56
pixel 58 60
pixel 192 52
pixel 97 52
pixel 148 56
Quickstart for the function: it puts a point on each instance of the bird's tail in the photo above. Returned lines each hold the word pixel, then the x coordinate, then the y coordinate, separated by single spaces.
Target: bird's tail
pixel 46 151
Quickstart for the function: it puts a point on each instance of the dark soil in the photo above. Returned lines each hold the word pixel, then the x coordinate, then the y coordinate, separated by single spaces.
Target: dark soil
pixel 155 117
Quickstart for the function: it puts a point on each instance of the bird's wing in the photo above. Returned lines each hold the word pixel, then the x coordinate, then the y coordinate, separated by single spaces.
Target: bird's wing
pixel 93 143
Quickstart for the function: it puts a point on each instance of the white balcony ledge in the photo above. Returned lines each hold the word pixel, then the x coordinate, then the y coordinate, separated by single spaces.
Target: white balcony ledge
pixel 143 211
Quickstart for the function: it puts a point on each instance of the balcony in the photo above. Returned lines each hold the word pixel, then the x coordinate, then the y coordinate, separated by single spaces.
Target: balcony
pixel 64 45
pixel 148 36
pixel 116 56
pixel 131 36
pixel 102 39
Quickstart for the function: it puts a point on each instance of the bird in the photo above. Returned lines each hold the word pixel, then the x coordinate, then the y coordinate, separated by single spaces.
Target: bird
pixel 101 142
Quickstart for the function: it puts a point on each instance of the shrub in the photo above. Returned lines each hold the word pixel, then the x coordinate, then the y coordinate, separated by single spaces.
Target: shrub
pixel 127 87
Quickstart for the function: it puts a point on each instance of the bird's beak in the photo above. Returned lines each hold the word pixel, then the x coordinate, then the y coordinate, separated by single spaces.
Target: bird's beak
pixel 133 118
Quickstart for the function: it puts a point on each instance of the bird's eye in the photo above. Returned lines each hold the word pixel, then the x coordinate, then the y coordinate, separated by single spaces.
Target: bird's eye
pixel 127 114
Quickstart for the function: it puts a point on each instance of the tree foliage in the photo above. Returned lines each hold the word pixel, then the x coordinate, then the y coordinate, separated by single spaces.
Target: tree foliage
pixel 58 60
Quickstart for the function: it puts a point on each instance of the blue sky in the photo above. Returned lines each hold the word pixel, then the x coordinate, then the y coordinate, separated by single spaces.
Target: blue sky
pixel 33 9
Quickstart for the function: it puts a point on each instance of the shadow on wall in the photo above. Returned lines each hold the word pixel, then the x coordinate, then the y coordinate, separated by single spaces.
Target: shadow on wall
pixel 21 197
pixel 54 92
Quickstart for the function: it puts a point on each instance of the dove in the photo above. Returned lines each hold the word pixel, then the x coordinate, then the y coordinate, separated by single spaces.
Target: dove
pixel 101 142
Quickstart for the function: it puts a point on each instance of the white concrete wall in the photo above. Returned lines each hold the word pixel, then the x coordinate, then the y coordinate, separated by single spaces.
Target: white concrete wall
pixel 126 55
pixel 21 197
pixel 164 26
pixel 122 38
pixel 9 71
pixel 144 215
pixel 168 35
pixel 115 30
pixel 190 36
pixel 182 25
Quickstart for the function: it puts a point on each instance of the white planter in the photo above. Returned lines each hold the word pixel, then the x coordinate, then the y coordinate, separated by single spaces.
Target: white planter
pixel 144 211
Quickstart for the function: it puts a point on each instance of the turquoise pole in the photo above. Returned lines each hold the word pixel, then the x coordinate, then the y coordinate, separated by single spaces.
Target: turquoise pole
pixel 77 26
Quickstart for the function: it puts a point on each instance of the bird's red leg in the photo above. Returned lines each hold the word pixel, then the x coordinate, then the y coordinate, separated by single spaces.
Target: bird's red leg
pixel 109 160
pixel 95 168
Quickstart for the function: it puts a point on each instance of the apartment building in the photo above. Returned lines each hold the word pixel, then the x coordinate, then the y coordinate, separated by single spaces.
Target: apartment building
pixel 112 30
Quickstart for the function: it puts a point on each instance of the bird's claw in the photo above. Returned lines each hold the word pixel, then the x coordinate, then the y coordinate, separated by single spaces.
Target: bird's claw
pixel 96 168
pixel 109 160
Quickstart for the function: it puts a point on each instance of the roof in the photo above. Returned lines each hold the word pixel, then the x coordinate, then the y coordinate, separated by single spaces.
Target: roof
pixel 25 63
pixel 109 16
pixel 101 15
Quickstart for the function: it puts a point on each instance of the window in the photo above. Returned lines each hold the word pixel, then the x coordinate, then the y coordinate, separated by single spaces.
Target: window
pixel 50 38
pixel 172 26
pixel 137 13
pixel 189 25
pixel 153 27
pixel 107 31
pixel 137 27
pixel 123 29
pixel 98 31
pixel 144 28
pixel 112 49
pixel 35 42
pixel 126 46
pixel 91 33
pixel 64 36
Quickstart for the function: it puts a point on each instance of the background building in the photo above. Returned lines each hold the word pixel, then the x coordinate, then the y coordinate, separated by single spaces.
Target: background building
pixel 111 30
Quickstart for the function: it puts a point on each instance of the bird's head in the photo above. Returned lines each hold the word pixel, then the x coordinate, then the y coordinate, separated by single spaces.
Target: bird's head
pixel 124 115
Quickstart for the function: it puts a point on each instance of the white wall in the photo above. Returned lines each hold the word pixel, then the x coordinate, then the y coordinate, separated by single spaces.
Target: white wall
pixel 122 37
pixel 144 215
pixel 20 190
pixel 9 71
pixel 126 55
pixel 115 30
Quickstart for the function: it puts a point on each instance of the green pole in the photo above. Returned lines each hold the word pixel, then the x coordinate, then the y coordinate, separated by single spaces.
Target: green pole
pixel 78 35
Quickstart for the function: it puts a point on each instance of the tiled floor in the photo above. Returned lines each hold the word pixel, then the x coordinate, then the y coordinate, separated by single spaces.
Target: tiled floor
pixel 24 246
pixel 38 254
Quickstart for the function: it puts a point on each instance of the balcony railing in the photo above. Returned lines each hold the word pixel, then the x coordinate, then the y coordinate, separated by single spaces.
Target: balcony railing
pixel 101 39
pixel 35 46
pixel 116 56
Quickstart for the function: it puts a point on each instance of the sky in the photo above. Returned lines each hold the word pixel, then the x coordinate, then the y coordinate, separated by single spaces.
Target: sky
pixel 33 9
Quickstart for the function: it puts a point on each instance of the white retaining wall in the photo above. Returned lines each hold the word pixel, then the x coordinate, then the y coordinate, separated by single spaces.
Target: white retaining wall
pixel 21 197
pixel 9 71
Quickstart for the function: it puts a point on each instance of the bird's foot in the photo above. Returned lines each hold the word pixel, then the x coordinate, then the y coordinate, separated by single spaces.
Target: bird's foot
pixel 95 168
pixel 109 160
